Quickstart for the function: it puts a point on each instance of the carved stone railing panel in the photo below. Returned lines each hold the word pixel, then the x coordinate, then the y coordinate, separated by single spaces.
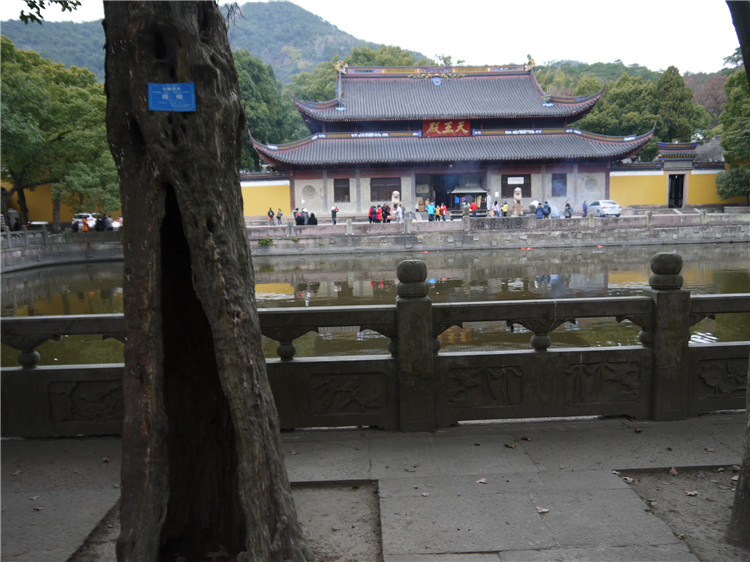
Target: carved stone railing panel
pixel 723 377
pixel 610 382
pixel 484 387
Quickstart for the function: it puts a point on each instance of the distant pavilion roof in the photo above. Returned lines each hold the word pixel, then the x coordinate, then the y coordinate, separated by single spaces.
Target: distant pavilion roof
pixel 419 93
pixel 411 148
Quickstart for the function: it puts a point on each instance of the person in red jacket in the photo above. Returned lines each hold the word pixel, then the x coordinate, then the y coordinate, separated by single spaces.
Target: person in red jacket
pixel 473 208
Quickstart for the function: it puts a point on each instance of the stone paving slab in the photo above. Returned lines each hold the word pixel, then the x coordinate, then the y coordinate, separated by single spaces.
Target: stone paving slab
pixel 453 521
pixel 54 493
pixel 632 553
pixel 564 466
pixel 473 515
pixel 317 459
pixel 447 454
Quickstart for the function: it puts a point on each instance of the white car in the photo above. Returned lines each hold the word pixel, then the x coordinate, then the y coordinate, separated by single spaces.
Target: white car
pixel 90 218
pixel 605 209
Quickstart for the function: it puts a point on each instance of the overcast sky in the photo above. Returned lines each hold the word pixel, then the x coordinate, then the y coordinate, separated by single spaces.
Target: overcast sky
pixel 693 36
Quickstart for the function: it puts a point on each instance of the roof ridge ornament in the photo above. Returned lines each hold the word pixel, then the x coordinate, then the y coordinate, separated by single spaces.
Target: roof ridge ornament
pixel 529 63
pixel 435 74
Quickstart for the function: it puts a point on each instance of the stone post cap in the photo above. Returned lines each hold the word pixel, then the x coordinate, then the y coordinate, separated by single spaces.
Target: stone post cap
pixel 411 276
pixel 411 271
pixel 666 267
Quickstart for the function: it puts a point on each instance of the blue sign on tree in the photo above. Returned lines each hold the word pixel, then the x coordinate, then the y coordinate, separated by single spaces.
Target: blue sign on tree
pixel 171 97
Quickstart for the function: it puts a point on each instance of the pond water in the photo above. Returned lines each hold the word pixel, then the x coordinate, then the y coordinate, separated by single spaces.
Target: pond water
pixel 476 276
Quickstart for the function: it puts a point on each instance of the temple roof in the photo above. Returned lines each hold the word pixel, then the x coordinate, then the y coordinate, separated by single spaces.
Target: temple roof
pixel 354 149
pixel 401 93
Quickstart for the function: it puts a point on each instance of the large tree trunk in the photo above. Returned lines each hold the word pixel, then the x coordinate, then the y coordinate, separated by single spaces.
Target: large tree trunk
pixel 202 466
pixel 740 11
pixel 739 526
pixel 23 209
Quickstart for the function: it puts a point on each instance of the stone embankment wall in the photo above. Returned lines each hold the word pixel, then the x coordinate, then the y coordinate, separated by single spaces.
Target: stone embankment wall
pixel 468 233
pixel 501 233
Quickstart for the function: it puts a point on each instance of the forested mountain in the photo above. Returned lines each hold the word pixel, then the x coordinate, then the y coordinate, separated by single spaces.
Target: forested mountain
pixel 289 38
pixel 281 34
pixel 73 44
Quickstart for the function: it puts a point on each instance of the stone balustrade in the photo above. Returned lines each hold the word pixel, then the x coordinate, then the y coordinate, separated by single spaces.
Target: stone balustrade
pixel 418 387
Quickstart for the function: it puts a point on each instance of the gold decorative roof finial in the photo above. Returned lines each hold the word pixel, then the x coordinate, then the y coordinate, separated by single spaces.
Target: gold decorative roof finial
pixel 341 67
pixel 530 63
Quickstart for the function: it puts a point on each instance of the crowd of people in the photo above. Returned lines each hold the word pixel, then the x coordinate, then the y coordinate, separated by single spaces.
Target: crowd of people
pixel 102 223
pixel 384 213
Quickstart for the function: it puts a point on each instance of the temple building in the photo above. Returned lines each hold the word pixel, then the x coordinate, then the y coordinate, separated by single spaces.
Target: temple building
pixel 445 134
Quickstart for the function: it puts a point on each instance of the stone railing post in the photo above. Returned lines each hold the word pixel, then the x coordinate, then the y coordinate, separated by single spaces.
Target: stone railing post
pixel 670 338
pixel 349 228
pixel 415 348
pixel 649 218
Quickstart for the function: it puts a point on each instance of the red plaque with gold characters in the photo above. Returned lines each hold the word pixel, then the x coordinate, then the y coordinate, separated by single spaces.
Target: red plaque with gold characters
pixel 454 128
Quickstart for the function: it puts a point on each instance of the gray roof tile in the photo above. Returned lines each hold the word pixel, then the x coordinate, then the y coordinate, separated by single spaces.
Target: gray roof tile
pixel 473 95
pixel 489 146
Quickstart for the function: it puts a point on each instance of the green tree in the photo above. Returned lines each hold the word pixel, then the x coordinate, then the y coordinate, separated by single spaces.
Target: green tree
pixel 53 125
pixel 388 55
pixel 627 107
pixel 587 86
pixel 735 139
pixel 320 85
pixel 679 118
pixel 261 97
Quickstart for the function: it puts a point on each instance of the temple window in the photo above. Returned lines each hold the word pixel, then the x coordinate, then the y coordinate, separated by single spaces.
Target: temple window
pixel 382 188
pixel 341 190
pixel 559 185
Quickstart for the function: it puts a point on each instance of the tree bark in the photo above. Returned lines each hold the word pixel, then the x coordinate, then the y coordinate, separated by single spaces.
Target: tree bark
pixel 23 209
pixel 740 11
pixel 739 525
pixel 202 468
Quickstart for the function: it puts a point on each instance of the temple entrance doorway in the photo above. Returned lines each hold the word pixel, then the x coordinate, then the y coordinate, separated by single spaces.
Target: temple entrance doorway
pixel 449 188
pixel 676 189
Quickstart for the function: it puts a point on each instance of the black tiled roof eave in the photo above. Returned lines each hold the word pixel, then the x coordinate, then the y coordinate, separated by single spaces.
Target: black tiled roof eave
pixel 399 148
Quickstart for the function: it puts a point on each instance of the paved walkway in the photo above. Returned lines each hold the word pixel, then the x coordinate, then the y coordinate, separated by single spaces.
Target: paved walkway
pixel 471 493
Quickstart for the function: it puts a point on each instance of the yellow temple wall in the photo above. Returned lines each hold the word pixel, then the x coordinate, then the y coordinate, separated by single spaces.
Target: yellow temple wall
pixel 39 204
pixel 652 188
pixel 638 188
pixel 258 196
pixel 702 189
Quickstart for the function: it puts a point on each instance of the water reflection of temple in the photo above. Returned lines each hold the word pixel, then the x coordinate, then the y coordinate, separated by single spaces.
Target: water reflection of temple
pixel 96 288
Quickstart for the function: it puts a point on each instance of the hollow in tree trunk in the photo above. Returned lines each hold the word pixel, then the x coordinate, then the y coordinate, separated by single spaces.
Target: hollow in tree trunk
pixel 202 469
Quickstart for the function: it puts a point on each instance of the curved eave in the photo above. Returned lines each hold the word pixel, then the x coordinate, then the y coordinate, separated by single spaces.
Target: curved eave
pixel 549 145
pixel 583 103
